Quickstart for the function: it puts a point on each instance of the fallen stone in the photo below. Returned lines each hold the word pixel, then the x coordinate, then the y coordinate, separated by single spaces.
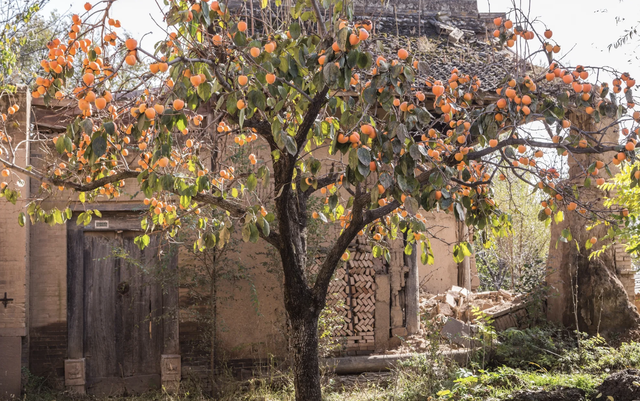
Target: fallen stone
pixel 456 35
pixel 621 386
pixel 457 290
pixel 560 394
pixel 458 332
pixel 445 309
pixel 450 300
pixel 483 295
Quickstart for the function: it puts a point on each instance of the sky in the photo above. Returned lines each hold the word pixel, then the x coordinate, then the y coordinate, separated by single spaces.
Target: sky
pixel 584 28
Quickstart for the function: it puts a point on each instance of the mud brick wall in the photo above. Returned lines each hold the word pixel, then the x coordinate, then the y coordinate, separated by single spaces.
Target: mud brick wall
pixel 14 240
pixel 625 271
pixel 14 256
pixel 48 350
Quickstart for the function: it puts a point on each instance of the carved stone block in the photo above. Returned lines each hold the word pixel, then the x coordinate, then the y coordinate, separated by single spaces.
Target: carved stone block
pixel 171 368
pixel 74 372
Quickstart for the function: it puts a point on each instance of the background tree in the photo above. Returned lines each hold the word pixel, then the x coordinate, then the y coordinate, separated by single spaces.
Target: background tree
pixel 515 259
pixel 23 36
pixel 624 192
pixel 340 121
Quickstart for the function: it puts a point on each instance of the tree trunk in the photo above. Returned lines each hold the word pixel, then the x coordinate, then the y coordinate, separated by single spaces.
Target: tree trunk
pixel 413 292
pixel 304 352
pixel 302 305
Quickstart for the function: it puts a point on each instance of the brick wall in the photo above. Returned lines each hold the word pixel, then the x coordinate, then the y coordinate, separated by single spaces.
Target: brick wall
pixel 14 258
pixel 13 239
pixel 625 271
pixel 48 350
pixel 48 301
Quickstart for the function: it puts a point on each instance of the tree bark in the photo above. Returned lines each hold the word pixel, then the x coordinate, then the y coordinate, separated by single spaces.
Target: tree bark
pixel 413 292
pixel 304 350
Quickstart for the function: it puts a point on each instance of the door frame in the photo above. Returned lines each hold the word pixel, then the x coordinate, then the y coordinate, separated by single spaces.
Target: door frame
pixel 128 220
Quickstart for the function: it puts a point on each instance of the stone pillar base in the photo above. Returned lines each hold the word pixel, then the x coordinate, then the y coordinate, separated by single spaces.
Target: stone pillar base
pixel 74 375
pixel 170 367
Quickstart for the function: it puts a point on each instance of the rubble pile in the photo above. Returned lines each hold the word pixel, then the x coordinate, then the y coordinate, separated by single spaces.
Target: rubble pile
pixel 505 308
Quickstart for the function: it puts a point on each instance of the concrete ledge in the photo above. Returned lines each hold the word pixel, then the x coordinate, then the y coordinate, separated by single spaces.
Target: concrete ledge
pixel 379 363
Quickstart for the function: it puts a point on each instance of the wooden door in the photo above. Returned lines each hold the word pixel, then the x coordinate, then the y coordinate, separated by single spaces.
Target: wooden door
pixel 123 313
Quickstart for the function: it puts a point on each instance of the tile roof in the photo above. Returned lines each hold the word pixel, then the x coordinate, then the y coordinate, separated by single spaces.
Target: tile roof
pixel 440 56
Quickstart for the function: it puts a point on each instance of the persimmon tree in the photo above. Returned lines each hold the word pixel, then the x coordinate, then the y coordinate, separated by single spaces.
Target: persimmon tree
pixel 318 111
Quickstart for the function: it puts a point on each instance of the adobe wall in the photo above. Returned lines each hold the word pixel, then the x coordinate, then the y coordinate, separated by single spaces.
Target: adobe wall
pixel 14 258
pixel 250 310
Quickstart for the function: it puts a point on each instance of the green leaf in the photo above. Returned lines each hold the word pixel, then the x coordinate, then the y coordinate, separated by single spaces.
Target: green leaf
pixel 252 182
pixel 294 30
pixel 22 219
pixel 364 156
pixel 386 180
pixel 377 251
pixel 209 239
pixel 364 60
pixel 266 229
pixel 254 235
pixel 109 127
pixel 331 74
pixel 257 99
pixel 246 232
pixel 426 256
pixel 353 158
pixel 241 116
pixel 401 132
pixel 240 39
pixel 412 205
pixel 87 126
pixel 370 95
pixel 204 90
pixel 408 249
pixel 343 36
pixel 185 201
pixel 224 237
pixel 142 241
pixel 588 244
pixel 290 144
pixel 99 146
pixel 60 146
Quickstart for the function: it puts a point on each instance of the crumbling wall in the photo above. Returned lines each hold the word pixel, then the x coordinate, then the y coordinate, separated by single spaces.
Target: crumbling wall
pixel 589 293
